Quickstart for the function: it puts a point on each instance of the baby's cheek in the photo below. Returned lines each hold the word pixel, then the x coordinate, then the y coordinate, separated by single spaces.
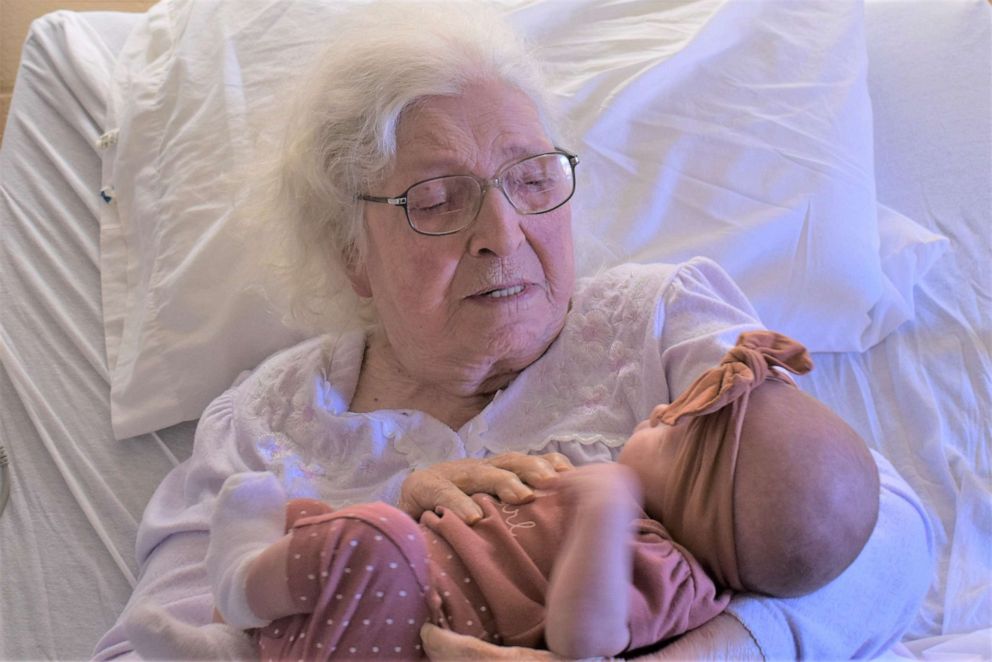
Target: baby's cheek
pixel 632 453
pixel 650 448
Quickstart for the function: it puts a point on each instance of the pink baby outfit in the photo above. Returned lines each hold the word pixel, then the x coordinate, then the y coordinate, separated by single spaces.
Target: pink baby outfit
pixel 369 577
pixel 361 576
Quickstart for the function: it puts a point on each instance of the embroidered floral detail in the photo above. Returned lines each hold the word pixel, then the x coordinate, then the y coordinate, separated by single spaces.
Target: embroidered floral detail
pixel 578 399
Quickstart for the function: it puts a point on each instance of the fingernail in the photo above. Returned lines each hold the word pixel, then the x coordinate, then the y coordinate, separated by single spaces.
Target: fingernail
pixel 545 480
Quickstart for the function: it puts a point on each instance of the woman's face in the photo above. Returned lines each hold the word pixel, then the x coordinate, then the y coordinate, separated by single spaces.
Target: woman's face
pixel 434 294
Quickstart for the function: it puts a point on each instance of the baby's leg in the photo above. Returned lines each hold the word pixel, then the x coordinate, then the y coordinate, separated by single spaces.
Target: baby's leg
pixel 588 596
pixel 360 576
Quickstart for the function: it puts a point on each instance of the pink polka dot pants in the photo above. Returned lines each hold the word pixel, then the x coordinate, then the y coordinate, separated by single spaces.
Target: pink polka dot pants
pixel 360 577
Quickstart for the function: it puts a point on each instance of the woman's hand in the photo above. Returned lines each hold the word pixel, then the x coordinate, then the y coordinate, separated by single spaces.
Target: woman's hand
pixel 723 638
pixel 506 476
pixel 441 645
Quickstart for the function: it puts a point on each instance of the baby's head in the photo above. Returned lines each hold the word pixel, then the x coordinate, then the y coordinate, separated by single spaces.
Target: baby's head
pixel 806 493
pixel 802 491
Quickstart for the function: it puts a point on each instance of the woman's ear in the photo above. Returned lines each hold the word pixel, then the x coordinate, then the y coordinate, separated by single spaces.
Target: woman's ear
pixel 358 276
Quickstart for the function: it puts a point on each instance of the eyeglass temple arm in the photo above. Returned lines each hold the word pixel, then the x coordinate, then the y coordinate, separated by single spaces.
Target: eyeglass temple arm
pixel 396 202
pixel 572 158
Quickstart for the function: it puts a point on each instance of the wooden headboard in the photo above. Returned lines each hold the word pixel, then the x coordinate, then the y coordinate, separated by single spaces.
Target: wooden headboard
pixel 16 17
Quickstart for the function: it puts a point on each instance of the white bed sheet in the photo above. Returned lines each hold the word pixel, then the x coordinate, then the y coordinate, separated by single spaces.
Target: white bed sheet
pixel 66 539
pixel 67 535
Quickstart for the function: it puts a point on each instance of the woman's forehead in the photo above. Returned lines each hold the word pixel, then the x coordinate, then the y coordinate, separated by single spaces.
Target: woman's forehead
pixel 485 125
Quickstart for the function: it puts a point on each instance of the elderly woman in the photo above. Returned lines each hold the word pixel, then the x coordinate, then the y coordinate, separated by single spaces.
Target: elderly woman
pixel 422 162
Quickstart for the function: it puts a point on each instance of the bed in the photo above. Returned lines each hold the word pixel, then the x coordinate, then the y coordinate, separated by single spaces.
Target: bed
pixel 912 371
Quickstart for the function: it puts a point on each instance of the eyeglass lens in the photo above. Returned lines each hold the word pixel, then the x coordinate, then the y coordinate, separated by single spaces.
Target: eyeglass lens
pixel 532 186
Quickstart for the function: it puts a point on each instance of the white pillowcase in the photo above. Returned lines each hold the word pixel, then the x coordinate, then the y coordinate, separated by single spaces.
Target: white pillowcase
pixel 738 130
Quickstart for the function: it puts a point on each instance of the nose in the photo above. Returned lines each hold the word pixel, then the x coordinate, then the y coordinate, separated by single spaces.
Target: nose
pixel 496 231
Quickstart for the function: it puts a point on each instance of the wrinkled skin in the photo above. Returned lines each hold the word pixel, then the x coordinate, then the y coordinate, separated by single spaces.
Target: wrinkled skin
pixel 445 345
pixel 506 476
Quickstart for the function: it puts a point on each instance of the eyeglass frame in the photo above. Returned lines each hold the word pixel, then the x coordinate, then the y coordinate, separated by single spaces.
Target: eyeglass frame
pixel 485 185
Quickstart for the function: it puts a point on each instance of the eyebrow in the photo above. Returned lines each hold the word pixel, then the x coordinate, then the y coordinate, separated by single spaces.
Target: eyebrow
pixel 442 165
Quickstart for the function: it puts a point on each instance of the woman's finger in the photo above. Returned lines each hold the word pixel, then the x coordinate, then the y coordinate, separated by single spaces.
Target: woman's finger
pixel 443 645
pixel 536 470
pixel 558 461
pixel 428 490
pixel 448 495
pixel 449 484
pixel 503 483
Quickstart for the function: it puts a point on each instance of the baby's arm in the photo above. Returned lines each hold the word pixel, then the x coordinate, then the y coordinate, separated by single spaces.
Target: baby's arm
pixel 588 597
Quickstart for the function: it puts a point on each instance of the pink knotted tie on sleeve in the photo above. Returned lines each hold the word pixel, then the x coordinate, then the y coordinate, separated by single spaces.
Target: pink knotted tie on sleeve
pixel 698 504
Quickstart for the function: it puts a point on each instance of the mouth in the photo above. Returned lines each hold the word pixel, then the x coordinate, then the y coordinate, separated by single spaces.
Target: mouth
pixel 501 292
pixel 504 292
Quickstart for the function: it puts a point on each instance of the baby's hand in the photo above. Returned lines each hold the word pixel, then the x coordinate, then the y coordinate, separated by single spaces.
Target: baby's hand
pixel 605 482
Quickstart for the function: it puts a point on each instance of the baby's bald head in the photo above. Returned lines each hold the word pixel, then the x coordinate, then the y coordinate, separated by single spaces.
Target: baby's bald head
pixel 805 493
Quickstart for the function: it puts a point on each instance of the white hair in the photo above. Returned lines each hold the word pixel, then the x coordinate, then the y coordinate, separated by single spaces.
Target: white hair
pixel 340 134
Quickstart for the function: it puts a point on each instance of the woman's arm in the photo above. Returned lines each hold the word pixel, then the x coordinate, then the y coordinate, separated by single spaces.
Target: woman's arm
pixel 723 638
pixel 864 611
pixel 174 533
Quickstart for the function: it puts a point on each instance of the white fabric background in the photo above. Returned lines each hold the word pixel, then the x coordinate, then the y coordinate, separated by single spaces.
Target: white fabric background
pixel 922 396
pixel 740 131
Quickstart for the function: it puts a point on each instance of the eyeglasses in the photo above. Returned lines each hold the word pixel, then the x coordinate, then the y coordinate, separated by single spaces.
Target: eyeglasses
pixel 444 205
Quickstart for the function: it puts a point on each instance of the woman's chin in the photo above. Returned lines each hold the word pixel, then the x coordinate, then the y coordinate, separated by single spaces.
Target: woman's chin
pixel 514 348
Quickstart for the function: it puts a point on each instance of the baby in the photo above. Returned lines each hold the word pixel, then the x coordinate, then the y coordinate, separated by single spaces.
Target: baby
pixel 759 487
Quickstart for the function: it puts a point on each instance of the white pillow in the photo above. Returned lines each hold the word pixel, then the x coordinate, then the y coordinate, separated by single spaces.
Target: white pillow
pixel 738 130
